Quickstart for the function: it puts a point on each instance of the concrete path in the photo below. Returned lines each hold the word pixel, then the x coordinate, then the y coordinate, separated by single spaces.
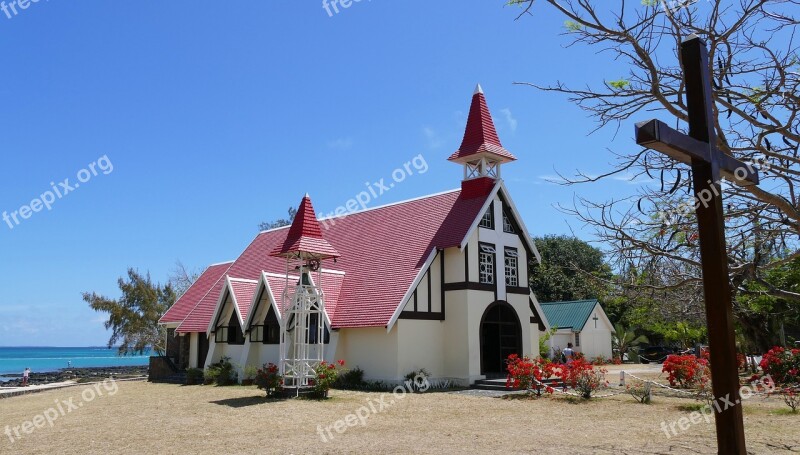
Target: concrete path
pixel 8 392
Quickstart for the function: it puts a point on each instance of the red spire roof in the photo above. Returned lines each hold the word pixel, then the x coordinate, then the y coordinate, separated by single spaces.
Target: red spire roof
pixel 305 235
pixel 480 135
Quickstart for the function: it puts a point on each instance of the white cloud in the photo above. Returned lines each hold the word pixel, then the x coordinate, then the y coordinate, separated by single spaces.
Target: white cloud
pixel 509 117
pixel 551 178
pixel 432 137
pixel 632 179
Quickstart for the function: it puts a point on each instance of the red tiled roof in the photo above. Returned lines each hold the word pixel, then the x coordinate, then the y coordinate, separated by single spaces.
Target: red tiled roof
pixel 382 251
pixel 331 287
pixel 480 136
pixel 305 235
pixel 186 303
pixel 243 291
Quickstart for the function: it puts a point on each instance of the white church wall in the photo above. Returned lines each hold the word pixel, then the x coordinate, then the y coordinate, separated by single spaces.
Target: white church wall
pixel 421 344
pixel 436 285
pixel 529 331
pixel 596 341
pixel 193 339
pixel 372 349
pixel 560 339
pixel 456 356
pixel 453 265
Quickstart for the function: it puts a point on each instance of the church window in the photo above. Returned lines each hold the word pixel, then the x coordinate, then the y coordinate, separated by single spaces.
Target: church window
pixel 488 219
pixel 235 335
pixel 511 266
pixel 508 226
pixel 486 261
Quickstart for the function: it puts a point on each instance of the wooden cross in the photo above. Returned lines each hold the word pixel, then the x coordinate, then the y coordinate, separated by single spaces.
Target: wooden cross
pixel 595 319
pixel 709 165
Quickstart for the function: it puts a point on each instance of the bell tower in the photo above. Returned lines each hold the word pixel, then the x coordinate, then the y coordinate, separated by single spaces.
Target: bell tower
pixel 481 152
pixel 303 316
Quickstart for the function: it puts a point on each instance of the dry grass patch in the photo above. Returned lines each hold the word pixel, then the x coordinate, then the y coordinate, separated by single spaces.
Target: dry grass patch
pixel 145 418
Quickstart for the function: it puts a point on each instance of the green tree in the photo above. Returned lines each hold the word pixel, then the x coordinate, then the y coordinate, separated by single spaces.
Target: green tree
pixel 133 318
pixel 281 222
pixel 571 269
pixel 753 55
pixel 624 338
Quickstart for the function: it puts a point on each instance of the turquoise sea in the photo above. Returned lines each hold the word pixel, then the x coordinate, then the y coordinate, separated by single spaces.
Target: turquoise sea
pixel 42 360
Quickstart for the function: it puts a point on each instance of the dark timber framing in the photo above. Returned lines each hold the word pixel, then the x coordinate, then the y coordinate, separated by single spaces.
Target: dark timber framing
pixel 428 315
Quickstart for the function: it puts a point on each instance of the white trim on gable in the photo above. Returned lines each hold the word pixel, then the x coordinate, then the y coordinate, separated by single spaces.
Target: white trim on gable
pixel 481 212
pixel 515 212
pixel 227 290
pixel 204 295
pixel 410 292
pixel 263 283
pixel 273 301
pixel 489 199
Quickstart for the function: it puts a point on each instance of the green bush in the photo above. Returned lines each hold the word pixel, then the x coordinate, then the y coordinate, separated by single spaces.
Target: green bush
pixel 351 380
pixel 222 373
pixel 418 380
pixel 194 376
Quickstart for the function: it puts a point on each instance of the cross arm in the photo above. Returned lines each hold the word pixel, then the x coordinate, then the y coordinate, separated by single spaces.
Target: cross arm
pixel 656 135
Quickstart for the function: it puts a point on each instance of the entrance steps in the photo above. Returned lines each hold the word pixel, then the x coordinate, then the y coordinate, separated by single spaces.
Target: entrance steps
pixel 499 384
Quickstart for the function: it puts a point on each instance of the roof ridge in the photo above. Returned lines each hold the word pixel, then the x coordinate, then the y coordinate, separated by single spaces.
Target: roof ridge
pixel 220 263
pixel 391 204
pixel 569 301
pixel 358 212
pixel 242 279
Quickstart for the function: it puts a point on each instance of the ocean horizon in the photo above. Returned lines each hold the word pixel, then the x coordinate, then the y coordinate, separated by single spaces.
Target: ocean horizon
pixel 14 359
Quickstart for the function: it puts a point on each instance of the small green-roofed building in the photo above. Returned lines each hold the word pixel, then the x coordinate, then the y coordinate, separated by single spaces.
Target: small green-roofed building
pixel 582 323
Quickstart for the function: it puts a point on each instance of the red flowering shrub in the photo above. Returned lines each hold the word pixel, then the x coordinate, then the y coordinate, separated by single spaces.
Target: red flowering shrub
pixel 782 365
pixel 741 361
pixel 327 374
pixel 791 396
pixel 685 370
pixel 617 360
pixel 582 376
pixel 269 379
pixel 600 361
pixel 528 374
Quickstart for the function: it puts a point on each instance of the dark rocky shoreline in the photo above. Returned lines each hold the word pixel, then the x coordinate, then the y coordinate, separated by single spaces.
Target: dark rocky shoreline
pixel 79 374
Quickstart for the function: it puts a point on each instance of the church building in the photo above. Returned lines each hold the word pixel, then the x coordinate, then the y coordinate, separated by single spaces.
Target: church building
pixel 439 282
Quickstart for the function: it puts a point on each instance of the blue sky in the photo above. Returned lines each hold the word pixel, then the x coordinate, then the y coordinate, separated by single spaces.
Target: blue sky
pixel 216 116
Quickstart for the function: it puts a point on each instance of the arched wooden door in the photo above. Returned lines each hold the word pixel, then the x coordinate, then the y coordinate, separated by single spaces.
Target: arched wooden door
pixel 501 336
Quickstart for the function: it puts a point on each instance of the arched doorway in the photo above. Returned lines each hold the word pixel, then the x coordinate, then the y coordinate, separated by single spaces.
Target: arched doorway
pixel 501 336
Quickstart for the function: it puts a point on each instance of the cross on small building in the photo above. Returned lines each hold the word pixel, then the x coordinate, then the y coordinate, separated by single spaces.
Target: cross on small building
pixel 709 165
pixel 595 319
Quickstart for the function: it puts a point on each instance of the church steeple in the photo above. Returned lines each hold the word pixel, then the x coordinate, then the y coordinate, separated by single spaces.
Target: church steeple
pixel 481 152
pixel 304 239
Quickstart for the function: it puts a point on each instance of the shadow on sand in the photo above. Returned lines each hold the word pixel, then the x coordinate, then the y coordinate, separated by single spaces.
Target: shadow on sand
pixel 247 401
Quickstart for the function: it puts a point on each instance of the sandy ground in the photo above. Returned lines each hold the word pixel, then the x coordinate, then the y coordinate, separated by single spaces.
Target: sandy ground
pixel 144 418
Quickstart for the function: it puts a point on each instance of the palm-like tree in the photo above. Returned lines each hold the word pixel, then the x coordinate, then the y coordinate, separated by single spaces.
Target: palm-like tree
pixel 623 339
